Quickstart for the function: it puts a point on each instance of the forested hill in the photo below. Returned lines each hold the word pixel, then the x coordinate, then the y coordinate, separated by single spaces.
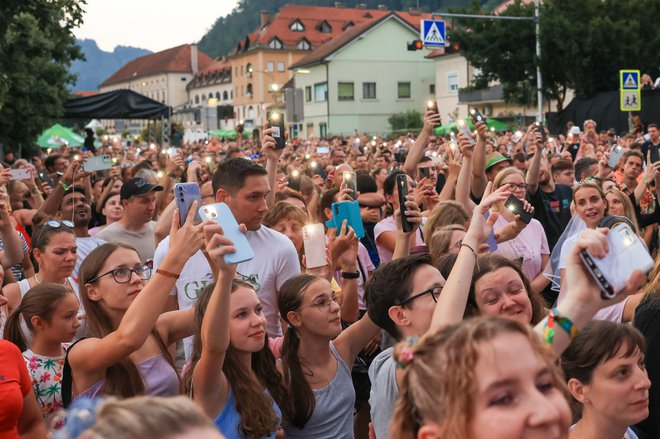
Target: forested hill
pixel 228 31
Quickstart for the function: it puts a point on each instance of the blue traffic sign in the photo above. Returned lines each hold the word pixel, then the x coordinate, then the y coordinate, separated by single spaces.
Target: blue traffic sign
pixel 433 33
pixel 629 79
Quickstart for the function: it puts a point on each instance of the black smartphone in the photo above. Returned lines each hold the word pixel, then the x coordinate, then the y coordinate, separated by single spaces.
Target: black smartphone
pixel 655 156
pixel 402 187
pixel 573 148
pixel 432 105
pixel 350 181
pixel 276 121
pixel 517 208
pixel 476 116
pixel 541 129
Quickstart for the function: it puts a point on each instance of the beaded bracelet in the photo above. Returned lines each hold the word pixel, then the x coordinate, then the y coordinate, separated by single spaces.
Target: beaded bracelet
pixel 565 323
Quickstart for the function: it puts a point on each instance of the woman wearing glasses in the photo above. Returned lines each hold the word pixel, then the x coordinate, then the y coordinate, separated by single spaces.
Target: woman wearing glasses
pixel 55 250
pixel 530 245
pixel 126 353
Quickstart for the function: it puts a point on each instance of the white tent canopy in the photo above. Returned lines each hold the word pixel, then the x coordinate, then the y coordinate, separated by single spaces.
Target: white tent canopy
pixel 94 124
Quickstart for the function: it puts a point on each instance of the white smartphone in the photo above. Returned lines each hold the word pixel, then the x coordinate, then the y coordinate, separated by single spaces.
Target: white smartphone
pixel 314 242
pixel 97 163
pixel 221 214
pixel 19 174
pixel 466 131
pixel 616 153
pixel 172 152
pixel 626 254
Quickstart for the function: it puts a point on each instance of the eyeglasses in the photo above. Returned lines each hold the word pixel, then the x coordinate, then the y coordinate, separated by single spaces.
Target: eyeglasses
pixel 513 186
pixel 434 292
pixel 123 275
pixel 323 303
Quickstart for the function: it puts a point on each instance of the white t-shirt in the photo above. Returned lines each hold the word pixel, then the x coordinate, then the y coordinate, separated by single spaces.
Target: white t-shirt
pixel 612 313
pixel 143 241
pixel 275 261
pixel 85 246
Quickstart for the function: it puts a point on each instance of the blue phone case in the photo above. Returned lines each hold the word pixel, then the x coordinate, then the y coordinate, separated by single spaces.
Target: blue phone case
pixel 185 194
pixel 349 211
pixel 221 214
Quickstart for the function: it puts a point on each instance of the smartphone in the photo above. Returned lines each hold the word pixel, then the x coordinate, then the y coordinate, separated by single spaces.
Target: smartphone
pixel 43 176
pixel 402 186
pixel 516 136
pixel 19 174
pixel 314 242
pixel 626 254
pixel 276 122
pixel 517 208
pixel 573 148
pixel 466 131
pixel 221 214
pixel 655 156
pixel 350 181
pixel 172 152
pixel 541 129
pixel 476 116
pixel 432 105
pixel 349 211
pixel 616 153
pixel 424 172
pixel 322 150
pixel 184 195
pixel 97 163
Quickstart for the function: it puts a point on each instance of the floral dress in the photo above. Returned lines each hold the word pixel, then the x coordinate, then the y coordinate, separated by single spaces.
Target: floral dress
pixel 46 374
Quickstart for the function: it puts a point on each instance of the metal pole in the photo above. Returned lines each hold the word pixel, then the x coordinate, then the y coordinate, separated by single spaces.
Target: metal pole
pixel 488 17
pixel 539 78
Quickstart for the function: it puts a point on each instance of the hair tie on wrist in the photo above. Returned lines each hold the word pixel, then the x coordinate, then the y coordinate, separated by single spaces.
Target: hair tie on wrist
pixel 407 354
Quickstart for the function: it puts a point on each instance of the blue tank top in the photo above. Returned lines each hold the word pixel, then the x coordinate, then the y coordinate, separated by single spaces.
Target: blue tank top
pixel 229 420
pixel 333 414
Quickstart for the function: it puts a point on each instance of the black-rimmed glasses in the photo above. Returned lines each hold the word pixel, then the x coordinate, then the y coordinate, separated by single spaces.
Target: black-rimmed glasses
pixel 123 275
pixel 434 292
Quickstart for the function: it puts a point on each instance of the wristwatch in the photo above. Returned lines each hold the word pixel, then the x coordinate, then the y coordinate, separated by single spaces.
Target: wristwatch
pixel 350 275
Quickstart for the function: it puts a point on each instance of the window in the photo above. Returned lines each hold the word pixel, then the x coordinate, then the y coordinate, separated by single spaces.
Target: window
pixel 248 90
pixel 324 129
pixel 304 45
pixel 241 70
pixel 270 67
pixel 324 27
pixel 203 98
pixel 368 90
pixel 345 91
pixel 321 92
pixel 432 89
pixel 275 44
pixel 280 66
pixel 217 95
pixel 452 82
pixel 308 94
pixel 297 26
pixel 348 25
pixel 225 96
pixel 403 90
pixel 197 99
pixel 248 70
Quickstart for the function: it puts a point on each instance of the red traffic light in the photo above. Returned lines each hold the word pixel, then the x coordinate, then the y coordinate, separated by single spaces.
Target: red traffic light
pixel 415 45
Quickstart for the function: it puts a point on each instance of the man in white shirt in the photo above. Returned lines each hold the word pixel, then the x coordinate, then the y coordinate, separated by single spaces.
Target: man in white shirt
pixel 243 186
pixel 136 226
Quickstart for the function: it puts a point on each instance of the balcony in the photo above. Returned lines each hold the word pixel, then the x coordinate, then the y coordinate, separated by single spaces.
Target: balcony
pixel 472 96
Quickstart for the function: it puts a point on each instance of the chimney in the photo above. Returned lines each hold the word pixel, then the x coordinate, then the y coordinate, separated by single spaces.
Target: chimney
pixel 193 58
pixel 415 11
pixel 361 6
pixel 339 5
pixel 382 7
pixel 264 16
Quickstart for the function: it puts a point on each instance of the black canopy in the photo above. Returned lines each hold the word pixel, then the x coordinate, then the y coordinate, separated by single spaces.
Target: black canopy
pixel 603 108
pixel 118 104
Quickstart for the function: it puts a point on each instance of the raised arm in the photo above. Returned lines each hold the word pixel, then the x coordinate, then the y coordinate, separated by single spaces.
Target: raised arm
pixel 453 299
pixel 583 297
pixel 272 158
pixel 93 354
pixel 210 383
pixel 13 252
pixel 51 205
pixel 464 182
pixel 404 239
pixel 479 179
pixel 431 120
pixel 533 173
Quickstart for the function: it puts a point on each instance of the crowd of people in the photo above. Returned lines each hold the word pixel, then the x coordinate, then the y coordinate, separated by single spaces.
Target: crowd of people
pixel 463 308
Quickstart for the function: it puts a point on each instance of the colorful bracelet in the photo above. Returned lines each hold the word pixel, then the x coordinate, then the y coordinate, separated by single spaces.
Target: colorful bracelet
pixel 565 323
pixel 65 186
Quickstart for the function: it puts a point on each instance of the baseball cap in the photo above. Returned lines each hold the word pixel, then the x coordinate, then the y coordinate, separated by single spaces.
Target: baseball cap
pixel 494 158
pixel 137 186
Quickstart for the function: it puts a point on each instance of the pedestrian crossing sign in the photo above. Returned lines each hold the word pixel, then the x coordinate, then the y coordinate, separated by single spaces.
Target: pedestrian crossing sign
pixel 433 33
pixel 629 79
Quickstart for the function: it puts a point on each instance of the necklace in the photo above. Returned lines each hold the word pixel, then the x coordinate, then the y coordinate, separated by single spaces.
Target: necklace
pixel 36 278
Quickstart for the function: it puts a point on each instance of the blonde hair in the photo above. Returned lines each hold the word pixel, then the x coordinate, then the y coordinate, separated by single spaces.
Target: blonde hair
pixel 283 210
pixel 628 209
pixel 443 214
pixel 504 173
pixel 441 239
pixel 147 416
pixel 447 397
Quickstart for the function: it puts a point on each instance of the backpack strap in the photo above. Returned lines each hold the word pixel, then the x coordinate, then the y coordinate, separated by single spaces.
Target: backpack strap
pixel 67 379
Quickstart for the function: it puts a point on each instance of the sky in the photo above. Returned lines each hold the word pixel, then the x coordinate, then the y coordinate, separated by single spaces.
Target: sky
pixel 150 24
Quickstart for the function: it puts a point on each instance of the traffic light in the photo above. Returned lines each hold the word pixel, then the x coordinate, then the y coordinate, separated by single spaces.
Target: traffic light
pixel 452 48
pixel 415 45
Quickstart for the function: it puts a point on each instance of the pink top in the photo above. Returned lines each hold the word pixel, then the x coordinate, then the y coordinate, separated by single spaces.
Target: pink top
pixel 530 245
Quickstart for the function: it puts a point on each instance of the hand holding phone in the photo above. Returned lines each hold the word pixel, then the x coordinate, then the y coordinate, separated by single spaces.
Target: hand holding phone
pixel 402 189
pixel 184 195
pixel 19 174
pixel 314 242
pixel 221 214
pixel 432 105
pixel 517 207
pixel 476 116
pixel 463 127
pixel 276 123
pixel 97 163
pixel 541 130
pixel 350 182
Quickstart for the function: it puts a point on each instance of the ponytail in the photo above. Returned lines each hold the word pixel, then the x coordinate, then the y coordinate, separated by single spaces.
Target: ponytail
pixel 13 332
pixel 304 402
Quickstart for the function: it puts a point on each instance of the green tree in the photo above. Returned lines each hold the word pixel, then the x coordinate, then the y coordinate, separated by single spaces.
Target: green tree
pixel 583 46
pixel 36 48
pixel 410 120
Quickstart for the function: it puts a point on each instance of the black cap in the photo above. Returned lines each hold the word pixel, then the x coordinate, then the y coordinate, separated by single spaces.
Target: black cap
pixel 137 186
